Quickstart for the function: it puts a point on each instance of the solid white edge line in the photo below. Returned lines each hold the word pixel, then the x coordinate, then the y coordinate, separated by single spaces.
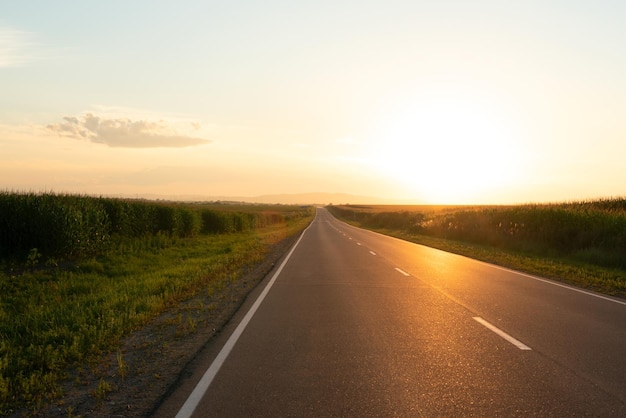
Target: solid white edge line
pixel 519 273
pixel 402 272
pixel 554 283
pixel 502 334
pixel 196 396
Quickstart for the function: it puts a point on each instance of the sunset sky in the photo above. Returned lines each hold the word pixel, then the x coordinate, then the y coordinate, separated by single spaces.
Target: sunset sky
pixel 423 101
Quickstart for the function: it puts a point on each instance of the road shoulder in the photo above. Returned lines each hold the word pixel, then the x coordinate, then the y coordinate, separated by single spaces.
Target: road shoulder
pixel 150 363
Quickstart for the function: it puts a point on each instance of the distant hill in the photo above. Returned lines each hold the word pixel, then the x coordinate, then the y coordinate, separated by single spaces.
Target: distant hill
pixel 286 199
pixel 320 198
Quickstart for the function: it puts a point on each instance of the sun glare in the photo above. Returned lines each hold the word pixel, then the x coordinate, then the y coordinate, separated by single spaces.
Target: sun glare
pixel 447 151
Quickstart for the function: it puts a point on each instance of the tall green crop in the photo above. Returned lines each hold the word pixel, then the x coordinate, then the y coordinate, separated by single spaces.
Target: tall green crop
pixel 593 232
pixel 54 225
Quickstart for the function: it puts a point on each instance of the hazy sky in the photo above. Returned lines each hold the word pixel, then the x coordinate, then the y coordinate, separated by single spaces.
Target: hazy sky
pixel 431 101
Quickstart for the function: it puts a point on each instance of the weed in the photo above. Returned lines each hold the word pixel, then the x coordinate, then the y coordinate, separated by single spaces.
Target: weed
pixel 191 324
pixel 33 258
pixel 121 365
pixel 103 388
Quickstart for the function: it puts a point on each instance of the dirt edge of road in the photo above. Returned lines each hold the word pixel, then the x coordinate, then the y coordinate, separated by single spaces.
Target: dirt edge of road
pixel 134 381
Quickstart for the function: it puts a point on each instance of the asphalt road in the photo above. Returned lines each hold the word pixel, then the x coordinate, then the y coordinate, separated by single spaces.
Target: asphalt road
pixel 355 323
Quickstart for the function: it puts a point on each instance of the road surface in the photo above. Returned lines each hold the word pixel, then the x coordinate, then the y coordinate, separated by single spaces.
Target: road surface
pixel 354 323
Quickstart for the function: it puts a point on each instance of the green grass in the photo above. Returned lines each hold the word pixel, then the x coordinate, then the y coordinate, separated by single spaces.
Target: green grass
pixel 581 243
pixel 54 317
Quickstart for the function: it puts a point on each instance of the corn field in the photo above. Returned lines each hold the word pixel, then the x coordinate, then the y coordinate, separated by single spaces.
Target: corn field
pixel 63 227
pixel 589 231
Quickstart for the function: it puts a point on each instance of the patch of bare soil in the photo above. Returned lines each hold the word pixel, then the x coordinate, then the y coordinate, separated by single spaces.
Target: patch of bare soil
pixel 133 381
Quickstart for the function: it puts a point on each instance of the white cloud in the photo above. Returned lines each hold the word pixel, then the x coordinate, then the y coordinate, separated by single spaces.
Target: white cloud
pixel 16 47
pixel 126 133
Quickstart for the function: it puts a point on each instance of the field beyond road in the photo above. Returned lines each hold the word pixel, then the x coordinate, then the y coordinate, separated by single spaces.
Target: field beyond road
pixel 580 243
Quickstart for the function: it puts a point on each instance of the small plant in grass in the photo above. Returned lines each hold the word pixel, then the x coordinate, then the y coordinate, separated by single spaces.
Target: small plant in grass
pixel 191 323
pixel 103 388
pixel 121 365
pixel 33 258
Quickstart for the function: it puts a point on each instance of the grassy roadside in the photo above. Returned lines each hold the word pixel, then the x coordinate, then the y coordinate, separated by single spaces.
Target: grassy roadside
pixel 52 319
pixel 541 262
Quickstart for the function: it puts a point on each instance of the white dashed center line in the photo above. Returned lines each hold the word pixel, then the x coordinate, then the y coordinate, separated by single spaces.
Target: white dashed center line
pixel 502 334
pixel 404 273
pixel 372 253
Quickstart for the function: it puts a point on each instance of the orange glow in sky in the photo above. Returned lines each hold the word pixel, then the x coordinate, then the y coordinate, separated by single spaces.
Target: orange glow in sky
pixel 412 101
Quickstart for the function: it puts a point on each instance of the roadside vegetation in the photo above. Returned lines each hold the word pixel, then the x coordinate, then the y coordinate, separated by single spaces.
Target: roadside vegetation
pixel 581 243
pixel 78 273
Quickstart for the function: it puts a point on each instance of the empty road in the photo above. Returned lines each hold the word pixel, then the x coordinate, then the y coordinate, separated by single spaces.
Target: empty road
pixel 354 323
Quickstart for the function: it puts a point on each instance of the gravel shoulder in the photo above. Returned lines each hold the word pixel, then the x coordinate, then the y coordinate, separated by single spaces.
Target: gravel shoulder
pixel 133 381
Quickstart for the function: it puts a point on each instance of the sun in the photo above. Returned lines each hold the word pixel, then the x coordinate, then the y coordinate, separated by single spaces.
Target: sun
pixel 447 151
